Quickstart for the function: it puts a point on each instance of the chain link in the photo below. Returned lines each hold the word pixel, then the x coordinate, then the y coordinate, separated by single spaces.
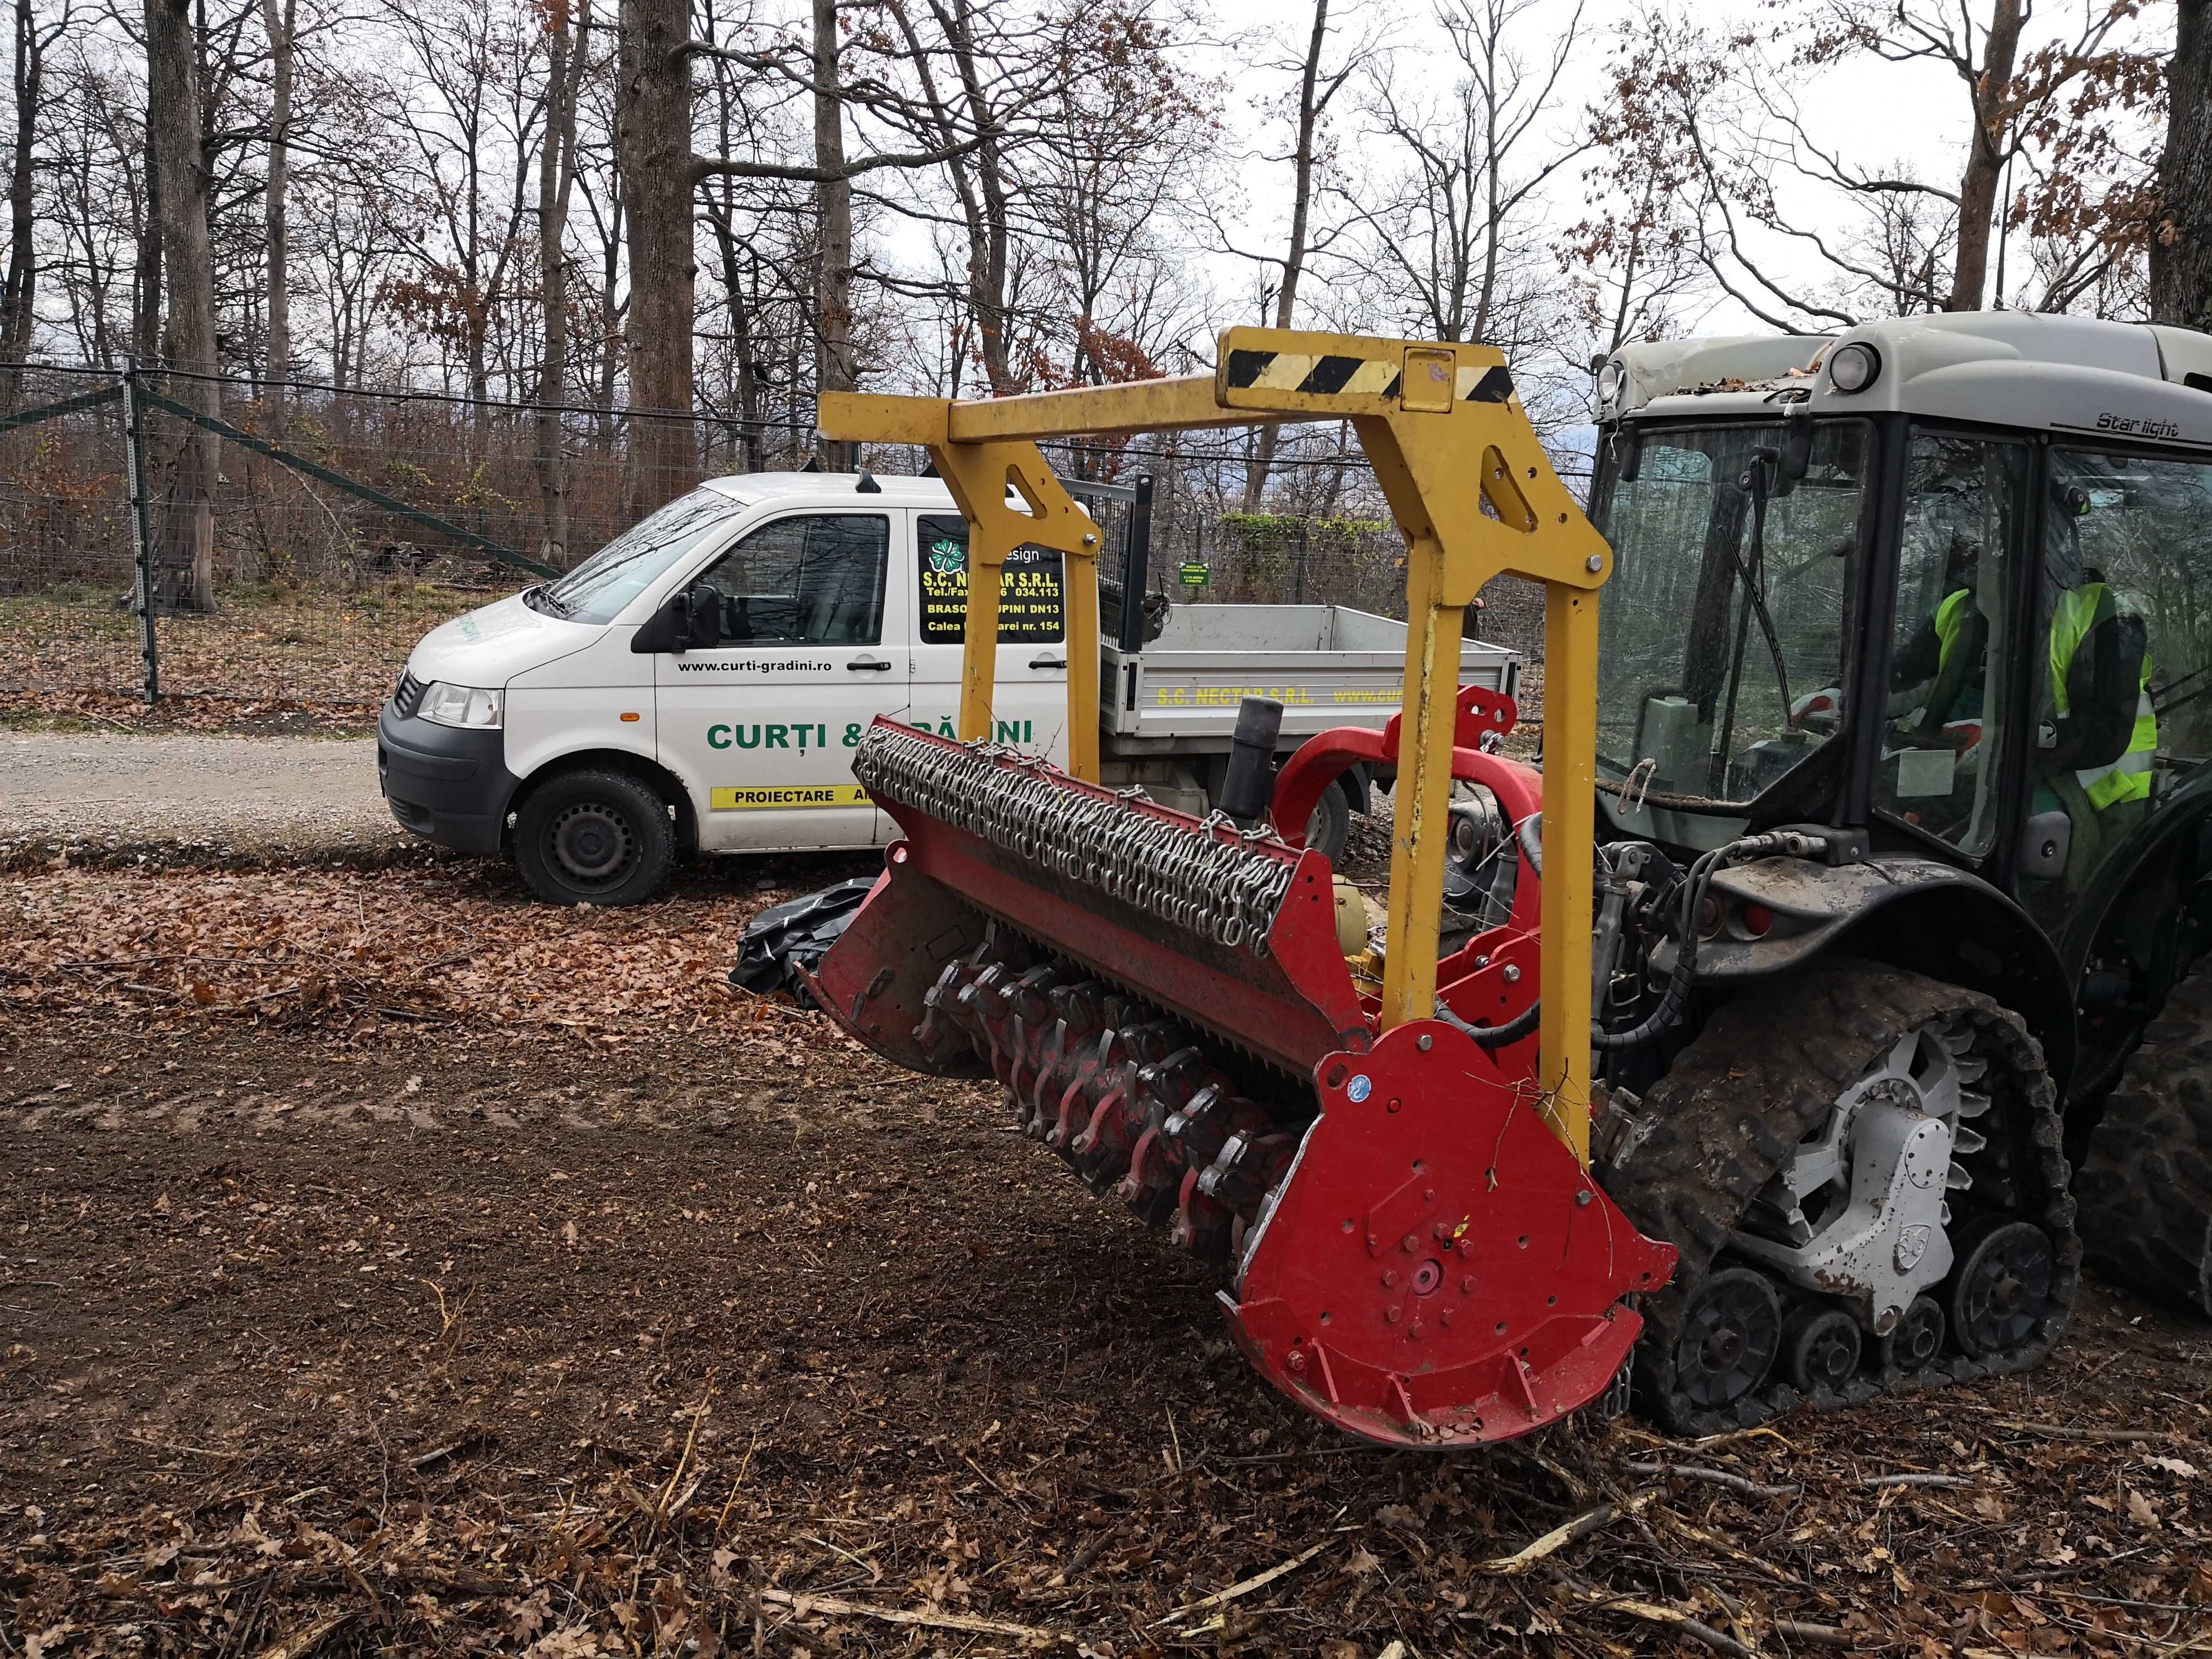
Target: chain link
pixel 1224 891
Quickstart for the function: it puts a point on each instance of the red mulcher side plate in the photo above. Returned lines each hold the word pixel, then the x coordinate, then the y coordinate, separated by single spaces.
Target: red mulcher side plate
pixel 1438 1267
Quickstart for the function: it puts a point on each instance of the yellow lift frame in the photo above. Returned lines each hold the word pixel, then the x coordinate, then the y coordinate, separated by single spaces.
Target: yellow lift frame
pixel 1474 496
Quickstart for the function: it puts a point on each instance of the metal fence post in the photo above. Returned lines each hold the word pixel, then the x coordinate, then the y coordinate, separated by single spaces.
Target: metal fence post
pixel 141 540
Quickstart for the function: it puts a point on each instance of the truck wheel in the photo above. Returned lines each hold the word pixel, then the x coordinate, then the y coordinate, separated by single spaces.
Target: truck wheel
pixel 594 837
pixel 1330 826
pixel 2145 1187
pixel 1768 1074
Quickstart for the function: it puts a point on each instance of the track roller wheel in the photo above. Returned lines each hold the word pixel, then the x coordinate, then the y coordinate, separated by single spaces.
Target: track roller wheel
pixel 2001 1293
pixel 1917 1338
pixel 1731 1334
pixel 1822 1348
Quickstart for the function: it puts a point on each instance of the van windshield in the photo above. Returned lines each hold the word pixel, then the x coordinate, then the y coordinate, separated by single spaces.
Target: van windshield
pixel 597 589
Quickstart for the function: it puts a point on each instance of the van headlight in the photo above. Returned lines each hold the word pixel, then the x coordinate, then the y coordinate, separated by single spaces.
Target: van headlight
pixel 462 704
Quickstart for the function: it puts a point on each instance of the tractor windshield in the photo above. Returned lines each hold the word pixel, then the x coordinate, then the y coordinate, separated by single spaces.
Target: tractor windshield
pixel 1722 634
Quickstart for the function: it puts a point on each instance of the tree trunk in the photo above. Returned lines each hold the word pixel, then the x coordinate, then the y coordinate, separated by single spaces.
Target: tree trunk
pixel 1986 157
pixel 2181 239
pixel 652 145
pixel 835 369
pixel 277 17
pixel 146 278
pixel 17 306
pixel 185 555
pixel 1294 264
pixel 556 175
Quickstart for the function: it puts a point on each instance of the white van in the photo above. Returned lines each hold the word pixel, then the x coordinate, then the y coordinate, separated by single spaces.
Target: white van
pixel 701 683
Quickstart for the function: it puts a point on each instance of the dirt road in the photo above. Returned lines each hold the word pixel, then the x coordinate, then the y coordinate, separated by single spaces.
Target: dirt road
pixel 389 1265
pixel 295 796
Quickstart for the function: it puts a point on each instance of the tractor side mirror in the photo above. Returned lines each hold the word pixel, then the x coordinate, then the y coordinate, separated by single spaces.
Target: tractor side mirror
pixel 2045 841
pixel 1796 453
pixel 1628 453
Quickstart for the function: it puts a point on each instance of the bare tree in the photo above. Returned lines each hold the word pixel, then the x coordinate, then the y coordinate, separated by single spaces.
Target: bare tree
pixel 35 38
pixel 1716 111
pixel 280 18
pixel 185 561
pixel 834 369
pixel 1445 230
pixel 556 181
pixel 1317 89
pixel 2181 238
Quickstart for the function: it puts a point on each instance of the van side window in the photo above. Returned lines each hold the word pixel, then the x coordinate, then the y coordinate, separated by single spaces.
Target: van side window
pixel 811 580
pixel 1028 589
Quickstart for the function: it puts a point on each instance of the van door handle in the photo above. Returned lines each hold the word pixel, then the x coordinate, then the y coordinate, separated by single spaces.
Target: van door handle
pixel 868 665
pixel 1048 662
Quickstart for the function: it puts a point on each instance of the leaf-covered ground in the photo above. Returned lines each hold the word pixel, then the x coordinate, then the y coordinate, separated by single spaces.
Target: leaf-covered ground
pixel 389 1265
pixel 293 658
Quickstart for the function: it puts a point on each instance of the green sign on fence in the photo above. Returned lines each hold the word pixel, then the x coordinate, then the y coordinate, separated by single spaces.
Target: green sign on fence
pixel 1191 574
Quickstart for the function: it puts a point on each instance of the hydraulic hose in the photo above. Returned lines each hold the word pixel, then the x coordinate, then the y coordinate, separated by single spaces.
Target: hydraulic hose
pixel 1773 844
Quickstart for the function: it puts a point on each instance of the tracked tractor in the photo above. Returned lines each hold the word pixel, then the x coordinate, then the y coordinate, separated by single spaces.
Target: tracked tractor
pixel 1857 888
pixel 1932 594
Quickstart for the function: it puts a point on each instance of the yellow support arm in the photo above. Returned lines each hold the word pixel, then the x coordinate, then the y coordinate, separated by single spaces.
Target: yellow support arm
pixel 980 473
pixel 1448 437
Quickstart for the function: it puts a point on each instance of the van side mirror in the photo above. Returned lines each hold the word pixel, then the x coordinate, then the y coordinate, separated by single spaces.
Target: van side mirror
pixel 685 622
pixel 2045 841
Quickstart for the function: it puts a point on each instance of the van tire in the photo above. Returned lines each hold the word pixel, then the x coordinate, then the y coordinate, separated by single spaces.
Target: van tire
pixel 593 837
pixel 1330 826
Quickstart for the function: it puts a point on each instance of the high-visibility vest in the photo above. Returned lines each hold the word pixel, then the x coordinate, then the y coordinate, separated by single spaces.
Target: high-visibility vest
pixel 1950 622
pixel 2129 777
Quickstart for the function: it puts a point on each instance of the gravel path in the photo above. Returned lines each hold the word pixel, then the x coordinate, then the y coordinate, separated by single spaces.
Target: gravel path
pixel 302 796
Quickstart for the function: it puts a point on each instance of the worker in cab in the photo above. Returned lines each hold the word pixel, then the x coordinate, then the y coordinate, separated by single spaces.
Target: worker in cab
pixel 1942 671
pixel 2099 733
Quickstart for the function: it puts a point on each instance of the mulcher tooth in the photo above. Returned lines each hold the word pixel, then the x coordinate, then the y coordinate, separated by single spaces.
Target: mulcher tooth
pixel 1190 1141
pixel 1076 1021
pixel 1115 1124
pixel 943 1021
pixel 1164 1093
pixel 980 1007
pixel 1027 1021
pixel 1246 1174
pixel 1221 1200
pixel 1097 1075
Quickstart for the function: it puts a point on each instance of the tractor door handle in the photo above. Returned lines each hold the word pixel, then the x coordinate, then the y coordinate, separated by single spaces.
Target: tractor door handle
pixel 867 665
pixel 1048 662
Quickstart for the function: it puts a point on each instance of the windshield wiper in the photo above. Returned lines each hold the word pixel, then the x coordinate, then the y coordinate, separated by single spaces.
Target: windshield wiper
pixel 540 598
pixel 1753 482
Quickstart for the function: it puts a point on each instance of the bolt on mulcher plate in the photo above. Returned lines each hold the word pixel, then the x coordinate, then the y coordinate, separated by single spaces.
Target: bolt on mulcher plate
pixel 1395 1181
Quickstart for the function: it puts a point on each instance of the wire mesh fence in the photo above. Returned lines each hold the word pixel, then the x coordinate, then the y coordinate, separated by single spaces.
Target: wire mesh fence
pixel 300 539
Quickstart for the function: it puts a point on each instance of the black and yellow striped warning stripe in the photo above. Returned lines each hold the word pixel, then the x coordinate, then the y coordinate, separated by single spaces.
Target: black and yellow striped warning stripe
pixel 1332 373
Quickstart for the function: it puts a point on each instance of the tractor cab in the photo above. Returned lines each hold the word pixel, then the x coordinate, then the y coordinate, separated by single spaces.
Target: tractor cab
pixel 1942 583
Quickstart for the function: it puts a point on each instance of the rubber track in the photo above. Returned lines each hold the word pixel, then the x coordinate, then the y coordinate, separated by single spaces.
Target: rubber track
pixel 1764 1069
pixel 2146 1182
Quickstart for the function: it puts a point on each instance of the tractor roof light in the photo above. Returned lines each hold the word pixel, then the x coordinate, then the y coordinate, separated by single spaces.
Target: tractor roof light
pixel 1854 368
pixel 1609 377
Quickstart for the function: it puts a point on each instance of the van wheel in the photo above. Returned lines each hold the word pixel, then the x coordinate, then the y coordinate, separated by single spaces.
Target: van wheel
pixel 1330 826
pixel 594 837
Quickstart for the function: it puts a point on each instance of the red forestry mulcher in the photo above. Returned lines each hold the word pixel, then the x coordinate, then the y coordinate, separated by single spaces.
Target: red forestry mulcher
pixel 1391 1173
